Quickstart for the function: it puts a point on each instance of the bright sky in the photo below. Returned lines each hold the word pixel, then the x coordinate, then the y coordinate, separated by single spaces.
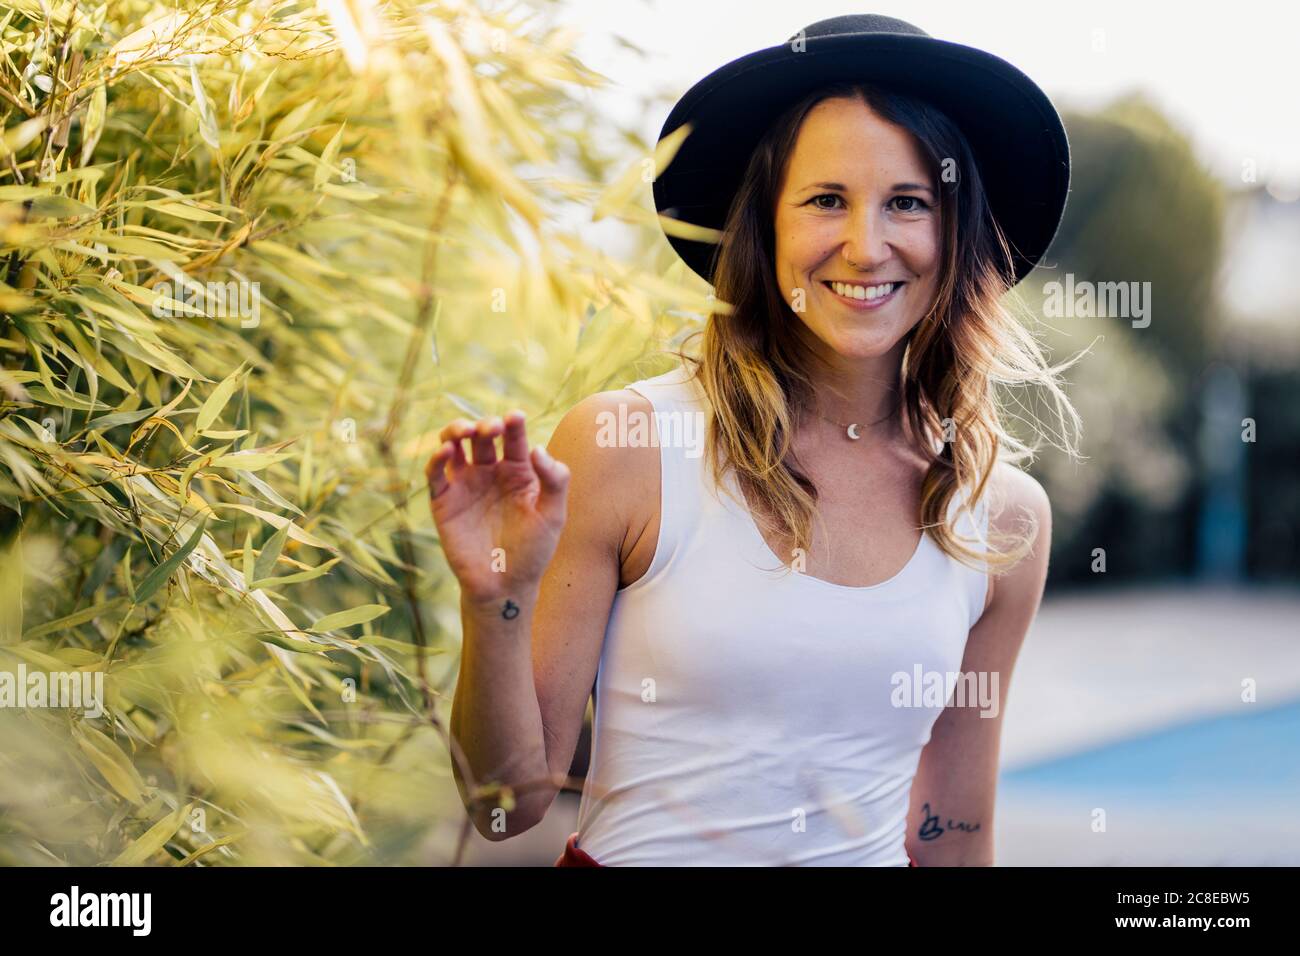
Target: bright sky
pixel 1227 74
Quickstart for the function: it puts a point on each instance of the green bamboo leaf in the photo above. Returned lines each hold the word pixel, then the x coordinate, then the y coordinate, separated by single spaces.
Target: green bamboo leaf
pixel 95 359
pixel 378 640
pixel 328 157
pixel 105 422
pixel 70 621
pixel 125 567
pixel 192 469
pixel 135 246
pixel 299 577
pixel 293 122
pixel 308 265
pixel 229 434
pixel 59 207
pixel 248 559
pixel 93 126
pixel 349 618
pixel 249 460
pixel 159 575
pixel 216 402
pixel 16 137
pixel 361 554
pixel 111 763
pixel 152 840
pixel 265 565
pixel 34 655
pixel 210 847
pixel 278 521
pixel 305 473
pixel 267 492
pixel 207 115
pixel 183 211
pixel 9 193
pixel 298 647
pixel 78 657
pixel 63 399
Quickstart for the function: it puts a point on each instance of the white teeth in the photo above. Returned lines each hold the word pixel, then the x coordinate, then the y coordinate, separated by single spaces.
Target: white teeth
pixel 863 292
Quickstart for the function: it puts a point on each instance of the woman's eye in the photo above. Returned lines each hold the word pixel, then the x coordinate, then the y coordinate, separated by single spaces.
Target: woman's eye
pixel 917 203
pixel 824 196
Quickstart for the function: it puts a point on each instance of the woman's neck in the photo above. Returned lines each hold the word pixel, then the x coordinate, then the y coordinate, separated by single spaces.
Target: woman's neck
pixel 860 402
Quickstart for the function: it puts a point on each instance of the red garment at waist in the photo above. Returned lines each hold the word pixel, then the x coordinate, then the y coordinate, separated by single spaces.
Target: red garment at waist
pixel 573 856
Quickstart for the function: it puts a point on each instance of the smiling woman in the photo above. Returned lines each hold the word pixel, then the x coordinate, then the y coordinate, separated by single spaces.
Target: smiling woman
pixel 862 215
pixel 871 242
pixel 743 617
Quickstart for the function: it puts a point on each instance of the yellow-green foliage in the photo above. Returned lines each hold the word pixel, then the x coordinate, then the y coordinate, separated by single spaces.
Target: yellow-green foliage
pixel 395 178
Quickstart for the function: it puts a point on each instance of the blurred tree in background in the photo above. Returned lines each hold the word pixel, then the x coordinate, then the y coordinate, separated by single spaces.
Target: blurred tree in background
pixel 1153 489
pixel 253 256
pixel 1141 210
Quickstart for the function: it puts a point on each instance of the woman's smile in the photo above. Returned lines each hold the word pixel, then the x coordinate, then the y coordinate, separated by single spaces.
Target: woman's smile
pixel 863 298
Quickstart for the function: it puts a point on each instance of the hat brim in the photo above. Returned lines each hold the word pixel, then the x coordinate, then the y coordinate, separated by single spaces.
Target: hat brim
pixel 1014 131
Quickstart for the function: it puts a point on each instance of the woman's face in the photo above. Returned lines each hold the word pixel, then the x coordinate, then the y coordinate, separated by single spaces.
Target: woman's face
pixel 857 206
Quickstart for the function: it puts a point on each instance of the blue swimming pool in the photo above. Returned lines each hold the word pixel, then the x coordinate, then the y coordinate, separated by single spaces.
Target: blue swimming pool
pixel 1256 752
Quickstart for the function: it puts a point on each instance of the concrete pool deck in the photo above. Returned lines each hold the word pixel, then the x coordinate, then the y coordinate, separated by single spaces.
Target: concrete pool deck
pixel 1096 669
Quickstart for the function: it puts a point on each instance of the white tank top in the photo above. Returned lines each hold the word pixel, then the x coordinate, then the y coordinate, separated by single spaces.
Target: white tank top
pixel 743 710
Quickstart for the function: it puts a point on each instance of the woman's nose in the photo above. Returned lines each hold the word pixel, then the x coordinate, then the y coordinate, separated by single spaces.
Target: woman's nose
pixel 865 243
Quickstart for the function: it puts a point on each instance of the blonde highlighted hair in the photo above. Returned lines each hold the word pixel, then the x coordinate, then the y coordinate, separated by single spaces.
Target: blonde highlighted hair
pixel 755 371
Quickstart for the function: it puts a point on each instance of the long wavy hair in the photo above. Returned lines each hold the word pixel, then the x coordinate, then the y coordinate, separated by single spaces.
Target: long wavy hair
pixel 755 371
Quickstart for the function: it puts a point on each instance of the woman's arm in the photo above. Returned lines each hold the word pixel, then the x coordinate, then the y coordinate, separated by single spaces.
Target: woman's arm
pixel 950 815
pixel 532 640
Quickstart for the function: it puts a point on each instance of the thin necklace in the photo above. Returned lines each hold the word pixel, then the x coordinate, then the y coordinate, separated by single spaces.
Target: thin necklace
pixel 851 428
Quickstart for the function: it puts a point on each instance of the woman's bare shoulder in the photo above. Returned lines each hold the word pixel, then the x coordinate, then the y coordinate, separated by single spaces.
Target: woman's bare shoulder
pixel 1016 499
pixel 612 476
pixel 590 432
pixel 1019 506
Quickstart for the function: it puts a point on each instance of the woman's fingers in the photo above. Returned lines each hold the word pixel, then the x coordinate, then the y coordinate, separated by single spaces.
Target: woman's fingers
pixel 456 429
pixel 455 432
pixel 436 469
pixel 485 440
pixel 482 435
pixel 515 445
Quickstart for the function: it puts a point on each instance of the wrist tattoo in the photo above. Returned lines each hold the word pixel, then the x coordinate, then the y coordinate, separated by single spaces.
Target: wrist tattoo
pixel 510 611
pixel 932 829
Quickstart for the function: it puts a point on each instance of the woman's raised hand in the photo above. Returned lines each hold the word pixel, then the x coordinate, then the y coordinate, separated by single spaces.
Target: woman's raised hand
pixel 515 504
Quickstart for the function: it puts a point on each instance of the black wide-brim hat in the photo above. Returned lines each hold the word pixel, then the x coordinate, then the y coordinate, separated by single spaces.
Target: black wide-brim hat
pixel 1014 131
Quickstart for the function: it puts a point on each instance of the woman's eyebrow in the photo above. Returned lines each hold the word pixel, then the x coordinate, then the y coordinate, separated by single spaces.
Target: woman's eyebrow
pixel 842 188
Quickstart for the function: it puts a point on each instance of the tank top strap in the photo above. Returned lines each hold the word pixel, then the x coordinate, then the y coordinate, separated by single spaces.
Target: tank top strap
pixel 972 526
pixel 679 429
